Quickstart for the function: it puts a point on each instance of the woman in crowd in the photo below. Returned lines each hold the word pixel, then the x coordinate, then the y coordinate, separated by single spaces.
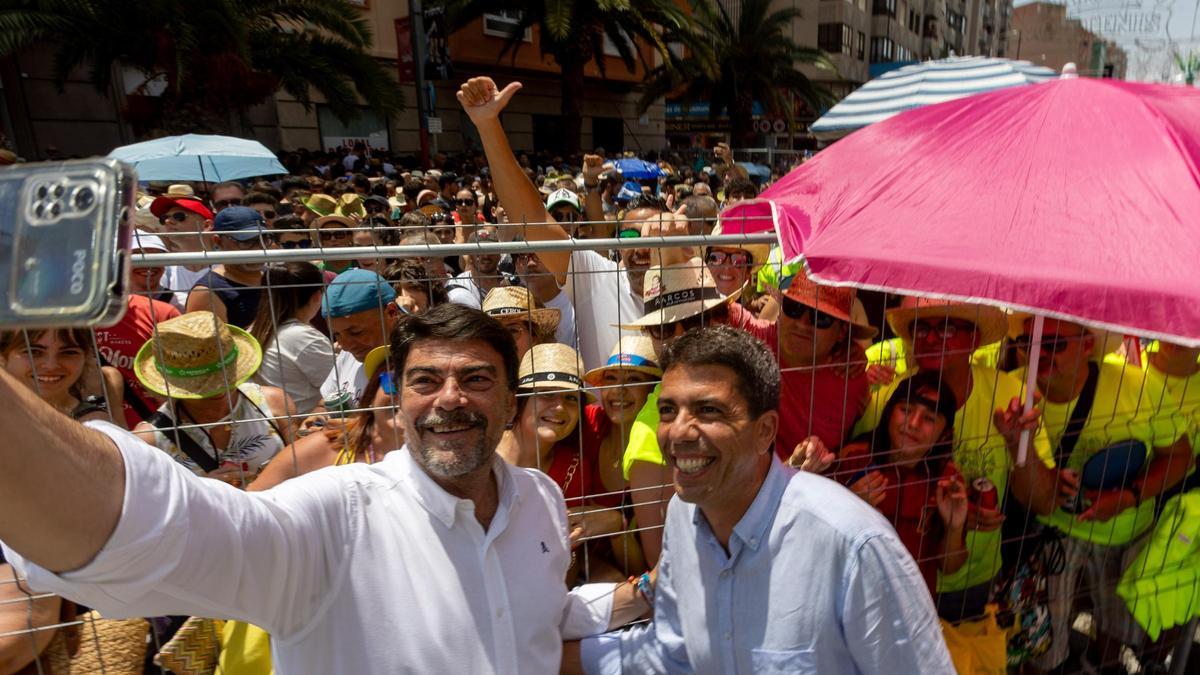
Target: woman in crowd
pixel 369 434
pixel 546 436
pixel 735 268
pixel 904 469
pixel 232 427
pixel 296 357
pixel 624 382
pixel 59 365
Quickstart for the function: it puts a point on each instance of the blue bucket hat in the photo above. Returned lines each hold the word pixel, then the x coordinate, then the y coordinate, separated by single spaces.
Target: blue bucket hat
pixel 354 291
pixel 240 222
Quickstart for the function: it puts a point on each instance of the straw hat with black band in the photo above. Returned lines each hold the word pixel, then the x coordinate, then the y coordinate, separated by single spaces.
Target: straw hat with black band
pixel 633 353
pixel 836 301
pixel 677 292
pixel 506 303
pixel 196 356
pixel 551 367
pixel 1106 342
pixel 990 322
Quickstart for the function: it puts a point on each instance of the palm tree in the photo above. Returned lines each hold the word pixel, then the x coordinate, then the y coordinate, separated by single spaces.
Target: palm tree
pixel 573 32
pixel 731 63
pixel 210 58
pixel 1190 65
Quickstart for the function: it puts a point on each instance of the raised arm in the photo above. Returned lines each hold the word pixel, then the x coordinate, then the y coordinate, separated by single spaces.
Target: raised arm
pixel 44 456
pixel 483 103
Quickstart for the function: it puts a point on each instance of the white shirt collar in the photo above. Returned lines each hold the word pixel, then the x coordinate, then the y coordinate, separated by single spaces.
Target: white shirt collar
pixel 441 504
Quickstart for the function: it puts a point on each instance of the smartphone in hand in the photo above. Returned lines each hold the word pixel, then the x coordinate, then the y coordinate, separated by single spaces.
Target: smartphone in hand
pixel 64 242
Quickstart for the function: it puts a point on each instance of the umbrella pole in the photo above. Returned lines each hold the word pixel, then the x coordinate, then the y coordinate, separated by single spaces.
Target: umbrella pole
pixel 203 178
pixel 1035 351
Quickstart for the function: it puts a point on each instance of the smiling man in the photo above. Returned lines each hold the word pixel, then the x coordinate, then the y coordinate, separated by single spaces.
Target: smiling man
pixel 440 558
pixel 764 569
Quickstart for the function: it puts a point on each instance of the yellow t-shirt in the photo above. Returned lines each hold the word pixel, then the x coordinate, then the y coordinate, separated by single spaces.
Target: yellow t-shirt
pixel 979 450
pixel 1125 408
pixel 1185 391
pixel 643 436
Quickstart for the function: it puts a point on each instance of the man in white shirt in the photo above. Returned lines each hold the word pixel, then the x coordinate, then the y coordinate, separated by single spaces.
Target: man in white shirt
pixel 481 276
pixel 604 293
pixel 441 558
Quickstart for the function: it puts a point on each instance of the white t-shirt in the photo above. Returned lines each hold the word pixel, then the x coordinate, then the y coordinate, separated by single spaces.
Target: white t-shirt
pixel 566 324
pixel 297 360
pixel 347 375
pixel 463 290
pixel 351 569
pixel 599 288
pixel 179 280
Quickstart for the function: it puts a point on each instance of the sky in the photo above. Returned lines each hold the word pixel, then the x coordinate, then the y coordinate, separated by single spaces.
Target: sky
pixel 1150 31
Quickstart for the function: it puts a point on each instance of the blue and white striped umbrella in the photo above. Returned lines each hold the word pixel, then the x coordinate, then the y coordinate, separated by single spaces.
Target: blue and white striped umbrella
pixel 923 84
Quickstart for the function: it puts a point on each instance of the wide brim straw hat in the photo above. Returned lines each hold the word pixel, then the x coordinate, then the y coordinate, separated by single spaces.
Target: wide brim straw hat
pixel 677 292
pixel 551 367
pixel 836 301
pixel 990 322
pixel 505 303
pixel 350 204
pixel 320 204
pixel 759 252
pixel 1106 342
pixel 633 352
pixel 196 356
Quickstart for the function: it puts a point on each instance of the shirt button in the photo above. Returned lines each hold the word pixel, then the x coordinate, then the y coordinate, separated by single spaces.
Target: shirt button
pixel 724 574
pixel 754 541
pixel 728 636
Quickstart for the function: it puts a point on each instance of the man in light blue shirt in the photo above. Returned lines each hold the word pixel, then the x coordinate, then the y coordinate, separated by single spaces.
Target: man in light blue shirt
pixel 764 570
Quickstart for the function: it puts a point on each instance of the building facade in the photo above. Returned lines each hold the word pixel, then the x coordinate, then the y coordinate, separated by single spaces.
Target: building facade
pixel 1044 34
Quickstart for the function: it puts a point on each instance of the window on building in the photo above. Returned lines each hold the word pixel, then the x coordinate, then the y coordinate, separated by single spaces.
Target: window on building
pixel 501 23
pixel 861 46
pixel 883 50
pixel 608 133
pixel 834 37
pixel 884 7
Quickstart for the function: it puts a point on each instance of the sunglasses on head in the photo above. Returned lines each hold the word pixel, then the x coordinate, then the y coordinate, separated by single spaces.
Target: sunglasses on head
pixel 226 203
pixel 303 243
pixel 798 310
pixel 737 258
pixel 1051 344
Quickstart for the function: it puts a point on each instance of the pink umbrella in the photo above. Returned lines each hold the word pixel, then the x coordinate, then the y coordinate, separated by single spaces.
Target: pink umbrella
pixel 1075 198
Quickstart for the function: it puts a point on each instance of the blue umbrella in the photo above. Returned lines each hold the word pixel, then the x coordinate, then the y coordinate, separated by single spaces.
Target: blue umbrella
pixel 756 170
pixel 199 158
pixel 638 169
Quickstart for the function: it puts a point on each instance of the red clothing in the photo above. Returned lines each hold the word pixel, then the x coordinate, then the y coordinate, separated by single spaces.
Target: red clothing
pixel 909 503
pixel 766 331
pixel 824 402
pixel 576 469
pixel 119 344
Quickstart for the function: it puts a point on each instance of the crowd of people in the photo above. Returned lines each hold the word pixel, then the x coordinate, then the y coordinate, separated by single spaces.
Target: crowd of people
pixel 841 468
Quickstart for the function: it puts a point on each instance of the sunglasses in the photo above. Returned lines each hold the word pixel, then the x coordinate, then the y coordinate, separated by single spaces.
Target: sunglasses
pixel 666 331
pixel 303 243
pixel 226 203
pixel 1050 345
pixel 945 331
pixel 335 234
pixel 178 216
pixel 465 202
pixel 738 258
pixel 798 310
pixel 386 383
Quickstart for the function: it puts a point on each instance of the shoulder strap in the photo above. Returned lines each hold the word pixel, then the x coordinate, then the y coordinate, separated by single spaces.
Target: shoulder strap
pixel 1083 408
pixel 131 397
pixel 186 443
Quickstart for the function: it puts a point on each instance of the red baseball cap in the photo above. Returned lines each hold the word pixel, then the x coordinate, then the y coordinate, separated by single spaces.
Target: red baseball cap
pixel 161 205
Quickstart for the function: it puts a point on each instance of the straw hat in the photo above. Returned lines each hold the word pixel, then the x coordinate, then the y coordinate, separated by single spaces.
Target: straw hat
pixel 676 292
pixel 320 204
pixel 836 301
pixel 760 252
pixel 1106 342
pixel 350 204
pixel 516 302
pixel 551 367
pixel 335 222
pixel 632 352
pixel 196 355
pixel 989 321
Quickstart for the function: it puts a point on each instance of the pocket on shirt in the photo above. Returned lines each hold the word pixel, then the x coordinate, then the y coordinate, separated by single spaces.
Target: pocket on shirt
pixel 783 661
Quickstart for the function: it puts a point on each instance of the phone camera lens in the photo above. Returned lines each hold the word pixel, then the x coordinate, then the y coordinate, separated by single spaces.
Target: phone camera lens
pixel 55 209
pixel 58 191
pixel 39 210
pixel 84 198
pixel 42 191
